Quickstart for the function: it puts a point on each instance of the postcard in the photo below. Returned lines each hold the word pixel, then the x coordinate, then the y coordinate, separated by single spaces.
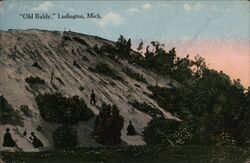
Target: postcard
pixel 125 81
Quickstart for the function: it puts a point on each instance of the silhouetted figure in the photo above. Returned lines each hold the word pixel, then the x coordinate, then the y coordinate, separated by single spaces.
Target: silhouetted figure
pixel 130 129
pixel 36 64
pixel 75 64
pixel 92 98
pixel 35 141
pixel 7 139
pixel 25 133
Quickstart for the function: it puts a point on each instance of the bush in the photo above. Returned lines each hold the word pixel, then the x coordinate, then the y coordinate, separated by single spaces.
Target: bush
pixel 165 97
pixel 104 69
pixel 8 115
pixel 223 139
pixel 81 41
pixel 108 125
pixel 56 108
pixel 170 132
pixel 34 80
pixel 134 75
pixel 64 138
pixel 25 109
pixel 108 49
pixel 144 107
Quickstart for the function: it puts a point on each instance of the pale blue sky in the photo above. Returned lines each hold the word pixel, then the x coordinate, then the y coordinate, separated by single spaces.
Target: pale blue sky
pixel 158 20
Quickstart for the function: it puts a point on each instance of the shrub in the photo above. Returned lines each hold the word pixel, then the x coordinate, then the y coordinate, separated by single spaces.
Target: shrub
pixel 34 80
pixel 165 97
pixel 134 75
pixel 25 109
pixel 170 132
pixel 8 115
pixel 108 49
pixel 96 49
pixel 104 69
pixel 66 38
pixel 144 107
pixel 81 41
pixel 223 139
pixel 64 137
pixel 108 125
pixel 56 108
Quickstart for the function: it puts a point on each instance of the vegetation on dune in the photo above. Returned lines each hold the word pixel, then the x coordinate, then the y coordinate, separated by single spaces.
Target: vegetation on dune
pixel 134 75
pixel 8 115
pixel 60 109
pixel 34 80
pixel 144 107
pixel 26 111
pixel 123 47
pixel 104 69
pixel 108 125
pixel 168 132
pixel 215 109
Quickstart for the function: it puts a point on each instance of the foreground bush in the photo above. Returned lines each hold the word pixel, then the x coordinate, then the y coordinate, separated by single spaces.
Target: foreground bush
pixel 108 125
pixel 147 154
pixel 64 138
pixel 56 108
pixel 169 132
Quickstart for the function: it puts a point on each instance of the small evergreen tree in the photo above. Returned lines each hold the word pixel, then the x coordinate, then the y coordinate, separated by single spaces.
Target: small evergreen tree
pixel 140 47
pixel 108 125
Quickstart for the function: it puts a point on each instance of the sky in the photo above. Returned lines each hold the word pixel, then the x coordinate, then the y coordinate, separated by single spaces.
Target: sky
pixel 216 30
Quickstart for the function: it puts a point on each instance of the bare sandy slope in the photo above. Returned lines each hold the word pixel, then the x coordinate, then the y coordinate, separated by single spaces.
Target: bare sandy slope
pixel 45 47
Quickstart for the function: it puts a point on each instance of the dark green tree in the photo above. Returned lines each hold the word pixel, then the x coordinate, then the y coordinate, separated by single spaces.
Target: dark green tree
pixel 108 125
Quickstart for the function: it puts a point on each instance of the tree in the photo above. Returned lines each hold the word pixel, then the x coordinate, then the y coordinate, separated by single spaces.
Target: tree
pixel 140 47
pixel 128 47
pixel 108 125
pixel 121 46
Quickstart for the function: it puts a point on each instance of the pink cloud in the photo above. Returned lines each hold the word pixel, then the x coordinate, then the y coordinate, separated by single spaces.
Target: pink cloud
pixel 232 57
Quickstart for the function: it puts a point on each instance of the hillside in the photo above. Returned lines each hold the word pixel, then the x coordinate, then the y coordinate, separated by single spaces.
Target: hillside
pixel 71 58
